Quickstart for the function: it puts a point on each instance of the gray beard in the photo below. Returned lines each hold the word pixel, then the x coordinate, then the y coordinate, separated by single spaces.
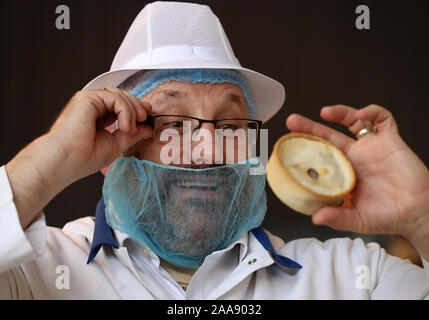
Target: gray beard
pixel 183 215
pixel 194 226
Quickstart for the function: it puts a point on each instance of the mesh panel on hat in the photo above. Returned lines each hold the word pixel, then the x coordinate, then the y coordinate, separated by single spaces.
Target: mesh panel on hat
pixel 134 42
pixel 183 24
pixel 172 24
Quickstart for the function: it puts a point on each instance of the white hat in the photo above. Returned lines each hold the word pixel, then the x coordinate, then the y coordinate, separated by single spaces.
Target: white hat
pixel 177 35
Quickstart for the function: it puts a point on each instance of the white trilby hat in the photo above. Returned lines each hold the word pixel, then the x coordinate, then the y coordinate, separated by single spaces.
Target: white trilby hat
pixel 177 35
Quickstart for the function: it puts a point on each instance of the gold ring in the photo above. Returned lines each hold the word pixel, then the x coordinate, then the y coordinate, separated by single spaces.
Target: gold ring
pixel 365 131
pixel 104 89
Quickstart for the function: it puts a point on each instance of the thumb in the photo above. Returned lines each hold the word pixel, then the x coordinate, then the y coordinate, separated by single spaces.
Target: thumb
pixel 126 140
pixel 344 219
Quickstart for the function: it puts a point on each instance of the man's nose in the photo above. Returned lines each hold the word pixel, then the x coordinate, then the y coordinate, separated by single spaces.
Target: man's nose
pixel 204 144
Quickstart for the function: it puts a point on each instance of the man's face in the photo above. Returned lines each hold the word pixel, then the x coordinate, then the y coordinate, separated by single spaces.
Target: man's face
pixel 194 203
pixel 204 101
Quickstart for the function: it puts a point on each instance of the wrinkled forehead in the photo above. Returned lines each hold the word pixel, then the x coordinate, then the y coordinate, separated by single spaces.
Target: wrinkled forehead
pixel 225 94
pixel 185 89
pixel 228 86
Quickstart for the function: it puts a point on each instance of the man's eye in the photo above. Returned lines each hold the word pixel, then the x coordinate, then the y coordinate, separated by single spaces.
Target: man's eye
pixel 228 127
pixel 175 124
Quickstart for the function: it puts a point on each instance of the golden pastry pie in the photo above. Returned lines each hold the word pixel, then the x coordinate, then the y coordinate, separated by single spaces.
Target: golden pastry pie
pixel 307 173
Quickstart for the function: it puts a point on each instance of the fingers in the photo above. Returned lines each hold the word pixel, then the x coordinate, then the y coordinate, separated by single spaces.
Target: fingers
pixel 356 120
pixel 345 115
pixel 125 140
pixel 381 117
pixel 133 107
pixel 345 219
pixel 112 101
pixel 127 108
pixel 298 123
pixel 141 107
pixel 106 121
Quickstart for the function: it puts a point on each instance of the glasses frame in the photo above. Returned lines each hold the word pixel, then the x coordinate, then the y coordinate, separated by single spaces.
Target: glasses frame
pixel 150 121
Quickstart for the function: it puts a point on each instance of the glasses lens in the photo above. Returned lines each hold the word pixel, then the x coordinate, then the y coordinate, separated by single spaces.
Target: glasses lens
pixel 170 129
pixel 233 127
pixel 237 124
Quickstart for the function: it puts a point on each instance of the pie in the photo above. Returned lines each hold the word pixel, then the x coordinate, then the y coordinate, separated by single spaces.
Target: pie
pixel 308 173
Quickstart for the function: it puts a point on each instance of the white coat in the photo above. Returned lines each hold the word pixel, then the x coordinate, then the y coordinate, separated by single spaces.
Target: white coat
pixel 50 263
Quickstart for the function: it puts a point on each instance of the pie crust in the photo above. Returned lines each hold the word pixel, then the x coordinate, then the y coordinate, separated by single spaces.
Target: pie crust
pixel 308 173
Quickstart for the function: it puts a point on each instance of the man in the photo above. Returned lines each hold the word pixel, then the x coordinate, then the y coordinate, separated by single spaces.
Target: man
pixel 190 230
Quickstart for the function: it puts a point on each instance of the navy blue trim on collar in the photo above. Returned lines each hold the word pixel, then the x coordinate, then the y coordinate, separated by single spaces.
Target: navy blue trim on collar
pixel 103 234
pixel 262 237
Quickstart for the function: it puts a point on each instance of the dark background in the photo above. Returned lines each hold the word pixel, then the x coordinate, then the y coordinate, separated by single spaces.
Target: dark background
pixel 312 47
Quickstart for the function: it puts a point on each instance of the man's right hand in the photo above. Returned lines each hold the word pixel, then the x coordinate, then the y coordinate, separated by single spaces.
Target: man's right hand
pixel 77 145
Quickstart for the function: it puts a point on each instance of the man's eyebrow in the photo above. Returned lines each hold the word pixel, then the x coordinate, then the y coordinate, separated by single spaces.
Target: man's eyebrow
pixel 174 93
pixel 232 97
pixel 167 95
pixel 235 98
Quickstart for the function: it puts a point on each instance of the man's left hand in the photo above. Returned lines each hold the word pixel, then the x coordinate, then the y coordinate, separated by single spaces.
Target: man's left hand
pixel 391 195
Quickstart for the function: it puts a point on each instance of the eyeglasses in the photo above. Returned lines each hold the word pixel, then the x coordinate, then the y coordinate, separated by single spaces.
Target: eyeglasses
pixel 165 126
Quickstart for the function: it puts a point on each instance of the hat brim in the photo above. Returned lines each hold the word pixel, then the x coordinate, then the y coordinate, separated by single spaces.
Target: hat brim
pixel 268 94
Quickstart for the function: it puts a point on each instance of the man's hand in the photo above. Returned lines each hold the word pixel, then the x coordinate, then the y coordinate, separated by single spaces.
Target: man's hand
pixel 80 131
pixel 77 145
pixel 392 188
